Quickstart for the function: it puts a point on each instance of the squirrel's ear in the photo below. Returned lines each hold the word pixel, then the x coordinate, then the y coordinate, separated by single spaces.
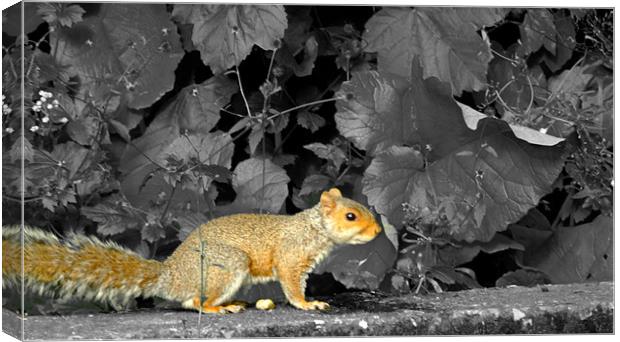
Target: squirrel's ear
pixel 328 199
pixel 335 192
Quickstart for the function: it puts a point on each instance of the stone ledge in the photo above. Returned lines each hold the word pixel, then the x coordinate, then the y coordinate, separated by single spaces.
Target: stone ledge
pixel 573 308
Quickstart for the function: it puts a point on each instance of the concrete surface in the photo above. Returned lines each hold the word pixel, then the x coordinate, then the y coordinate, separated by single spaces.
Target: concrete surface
pixel 574 308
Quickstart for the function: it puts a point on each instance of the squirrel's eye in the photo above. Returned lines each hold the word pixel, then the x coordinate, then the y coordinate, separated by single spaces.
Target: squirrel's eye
pixel 350 216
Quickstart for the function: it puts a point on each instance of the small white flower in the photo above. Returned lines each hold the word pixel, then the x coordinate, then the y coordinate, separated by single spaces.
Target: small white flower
pixel 43 99
pixel 89 42
pixel 36 108
pixel 3 97
pixel 49 106
pixel 34 128
pixel 48 94
pixel 543 130
pixel 55 102
pixel 41 92
pixel 45 119
pixel 64 120
pixel 38 103
pixel 9 130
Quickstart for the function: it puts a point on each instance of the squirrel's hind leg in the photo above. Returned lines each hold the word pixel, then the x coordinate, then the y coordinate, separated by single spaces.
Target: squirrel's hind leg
pixel 223 278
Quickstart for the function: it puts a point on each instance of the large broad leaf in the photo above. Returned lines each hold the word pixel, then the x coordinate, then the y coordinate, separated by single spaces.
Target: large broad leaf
pixel 12 18
pixel 444 38
pixel 195 110
pixel 389 180
pixel 482 179
pixel 225 34
pixel 576 254
pixel 375 112
pixel 538 30
pixel 131 48
pixel 259 183
pixel 565 41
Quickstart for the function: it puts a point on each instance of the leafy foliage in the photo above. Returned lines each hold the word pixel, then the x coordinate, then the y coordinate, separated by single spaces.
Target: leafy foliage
pixel 442 38
pixel 225 34
pixel 375 113
pixel 132 49
pixel 144 121
pixel 482 179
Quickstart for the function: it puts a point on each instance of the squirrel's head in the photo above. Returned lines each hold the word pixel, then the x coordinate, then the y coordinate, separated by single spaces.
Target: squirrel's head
pixel 346 220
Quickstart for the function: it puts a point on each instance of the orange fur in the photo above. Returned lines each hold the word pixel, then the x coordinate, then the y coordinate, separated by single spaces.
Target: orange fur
pixel 82 267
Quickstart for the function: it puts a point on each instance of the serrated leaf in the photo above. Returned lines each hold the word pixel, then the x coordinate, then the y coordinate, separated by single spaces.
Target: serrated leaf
pixel 445 39
pixel 260 188
pixel 576 254
pixel 60 13
pixel 49 203
pixel 112 216
pixel 538 30
pixel 128 48
pixel 310 121
pixel 328 152
pixel 225 34
pixel 375 113
pixel 152 232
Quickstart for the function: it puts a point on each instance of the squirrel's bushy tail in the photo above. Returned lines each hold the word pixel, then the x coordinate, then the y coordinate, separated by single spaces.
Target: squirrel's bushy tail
pixel 77 266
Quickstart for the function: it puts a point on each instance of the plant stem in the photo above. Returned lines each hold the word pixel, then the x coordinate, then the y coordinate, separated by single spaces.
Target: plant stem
pixel 305 105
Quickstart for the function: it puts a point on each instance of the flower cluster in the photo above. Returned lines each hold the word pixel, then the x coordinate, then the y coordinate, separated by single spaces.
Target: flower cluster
pixel 44 103
pixel 6 110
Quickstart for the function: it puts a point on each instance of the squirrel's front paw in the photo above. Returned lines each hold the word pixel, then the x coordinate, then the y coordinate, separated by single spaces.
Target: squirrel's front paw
pixel 312 305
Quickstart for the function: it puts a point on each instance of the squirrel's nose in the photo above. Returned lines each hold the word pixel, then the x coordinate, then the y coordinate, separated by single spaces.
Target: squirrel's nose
pixel 377 229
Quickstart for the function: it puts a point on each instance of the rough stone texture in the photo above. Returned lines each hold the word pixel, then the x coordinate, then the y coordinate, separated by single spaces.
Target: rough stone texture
pixel 574 308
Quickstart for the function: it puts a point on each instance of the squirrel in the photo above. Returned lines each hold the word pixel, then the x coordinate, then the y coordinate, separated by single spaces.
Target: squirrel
pixel 231 251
